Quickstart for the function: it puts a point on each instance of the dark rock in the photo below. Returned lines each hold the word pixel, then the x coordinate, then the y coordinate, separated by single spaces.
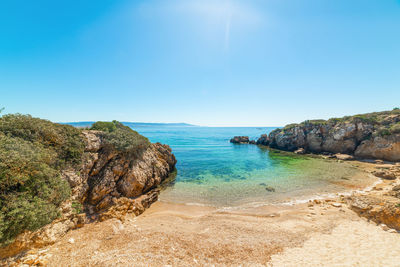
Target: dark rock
pixel 385 175
pixel 263 140
pixel 270 189
pixel 240 140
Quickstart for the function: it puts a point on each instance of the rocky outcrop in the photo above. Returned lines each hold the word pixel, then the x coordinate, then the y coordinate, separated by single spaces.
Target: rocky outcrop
pixel 263 140
pixel 386 147
pixel 106 175
pixel 381 205
pixel 380 210
pixel 373 136
pixel 107 184
pixel 240 140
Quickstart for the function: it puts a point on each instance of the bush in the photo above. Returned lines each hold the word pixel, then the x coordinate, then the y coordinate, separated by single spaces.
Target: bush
pixel 31 189
pixel 32 153
pixel 395 128
pixel 121 137
pixel 64 139
pixel 104 126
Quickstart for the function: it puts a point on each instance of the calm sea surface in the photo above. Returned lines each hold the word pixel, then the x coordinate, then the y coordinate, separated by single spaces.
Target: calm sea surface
pixel 212 171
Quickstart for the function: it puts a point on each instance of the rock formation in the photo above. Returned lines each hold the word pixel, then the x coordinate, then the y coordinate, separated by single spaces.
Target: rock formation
pixel 373 136
pixel 240 140
pixel 383 205
pixel 107 184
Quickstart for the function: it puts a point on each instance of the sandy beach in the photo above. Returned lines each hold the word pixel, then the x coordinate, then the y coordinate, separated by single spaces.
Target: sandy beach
pixel 323 232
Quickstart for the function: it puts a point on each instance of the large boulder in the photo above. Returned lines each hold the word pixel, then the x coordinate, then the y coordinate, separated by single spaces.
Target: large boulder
pixel 380 147
pixel 240 140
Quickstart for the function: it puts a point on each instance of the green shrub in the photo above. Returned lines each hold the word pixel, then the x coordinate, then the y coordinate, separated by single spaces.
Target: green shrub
pixel 383 132
pixel 121 137
pixel 32 153
pixel 395 128
pixel 64 139
pixel 104 126
pixel 31 188
pixel 77 207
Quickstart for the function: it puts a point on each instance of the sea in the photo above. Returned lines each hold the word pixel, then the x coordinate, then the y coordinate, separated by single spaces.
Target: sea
pixel 211 171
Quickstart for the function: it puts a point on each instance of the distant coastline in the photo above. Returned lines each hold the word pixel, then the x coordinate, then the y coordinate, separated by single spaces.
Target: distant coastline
pixel 84 124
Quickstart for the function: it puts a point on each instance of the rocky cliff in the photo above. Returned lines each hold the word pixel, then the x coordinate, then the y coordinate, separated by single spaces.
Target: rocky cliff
pixel 372 135
pixel 109 182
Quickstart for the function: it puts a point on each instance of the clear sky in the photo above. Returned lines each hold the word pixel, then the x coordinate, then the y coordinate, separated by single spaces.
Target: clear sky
pixel 215 63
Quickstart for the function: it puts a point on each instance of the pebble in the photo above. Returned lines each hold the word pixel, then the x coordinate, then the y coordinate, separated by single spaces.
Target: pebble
pixel 336 205
pixel 384 227
pixel 71 241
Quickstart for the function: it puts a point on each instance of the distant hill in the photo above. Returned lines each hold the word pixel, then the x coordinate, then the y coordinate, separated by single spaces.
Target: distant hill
pixel 84 124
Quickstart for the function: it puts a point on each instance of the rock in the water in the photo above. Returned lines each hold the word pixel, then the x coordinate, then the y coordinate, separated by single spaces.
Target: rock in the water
pixel 270 189
pixel 240 140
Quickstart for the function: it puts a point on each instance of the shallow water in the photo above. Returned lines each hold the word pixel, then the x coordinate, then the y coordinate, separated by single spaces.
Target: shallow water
pixel 212 171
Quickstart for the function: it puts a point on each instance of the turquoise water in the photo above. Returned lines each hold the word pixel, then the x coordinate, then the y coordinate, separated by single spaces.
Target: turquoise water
pixel 212 171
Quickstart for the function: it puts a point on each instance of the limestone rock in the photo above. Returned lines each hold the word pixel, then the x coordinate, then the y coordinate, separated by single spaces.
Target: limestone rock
pixel 387 148
pixel 361 136
pixel 382 209
pixel 108 184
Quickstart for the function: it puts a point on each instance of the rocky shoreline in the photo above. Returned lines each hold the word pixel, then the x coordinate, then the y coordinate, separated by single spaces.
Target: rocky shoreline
pixel 366 136
pixel 373 136
pixel 107 184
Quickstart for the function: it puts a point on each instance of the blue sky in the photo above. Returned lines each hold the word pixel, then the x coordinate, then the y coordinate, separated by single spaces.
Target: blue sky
pixel 215 63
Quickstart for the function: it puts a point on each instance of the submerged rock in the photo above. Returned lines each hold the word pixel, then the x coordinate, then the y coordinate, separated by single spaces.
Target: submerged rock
pixel 270 189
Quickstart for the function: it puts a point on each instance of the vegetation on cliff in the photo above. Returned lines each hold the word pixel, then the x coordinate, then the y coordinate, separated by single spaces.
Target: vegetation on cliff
pixel 121 137
pixel 373 135
pixel 382 120
pixel 32 153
